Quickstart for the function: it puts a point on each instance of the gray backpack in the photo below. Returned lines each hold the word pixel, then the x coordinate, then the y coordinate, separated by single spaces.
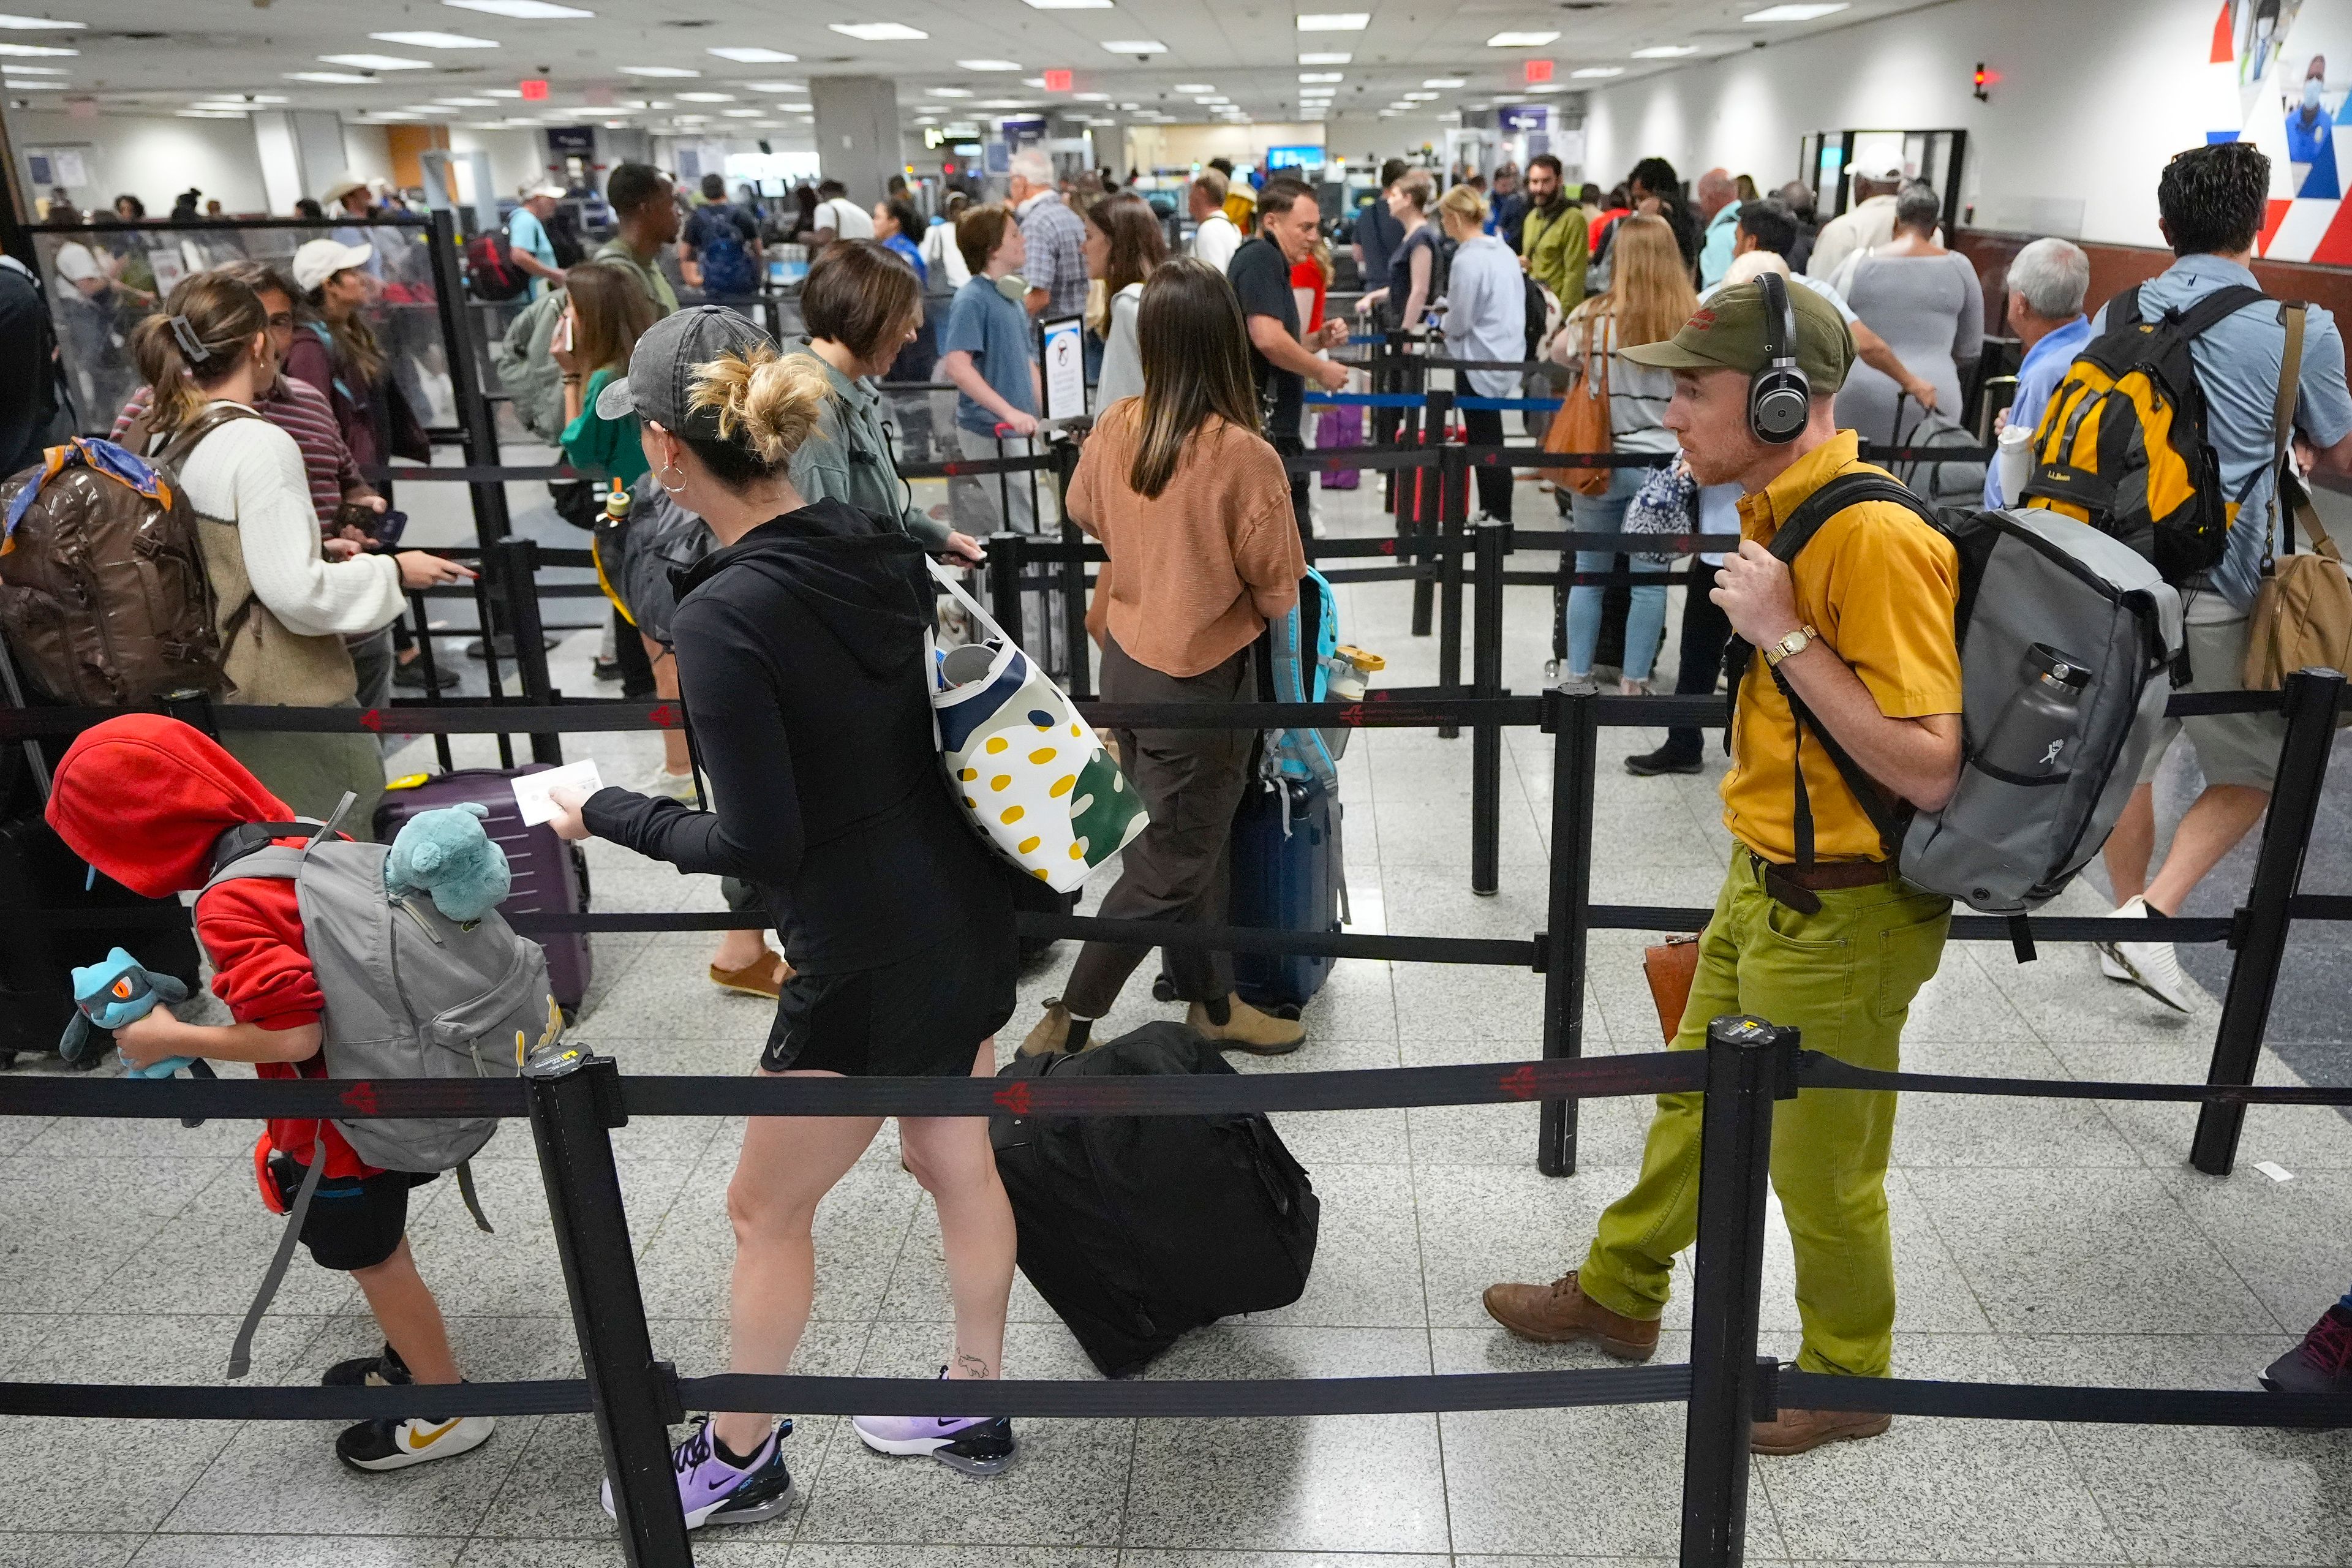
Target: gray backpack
pixel 2063 633
pixel 409 994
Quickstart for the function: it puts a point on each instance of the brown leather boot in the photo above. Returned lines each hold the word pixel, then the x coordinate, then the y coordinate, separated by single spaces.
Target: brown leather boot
pixel 1248 1029
pixel 1796 1431
pixel 1560 1312
pixel 764 977
pixel 1052 1033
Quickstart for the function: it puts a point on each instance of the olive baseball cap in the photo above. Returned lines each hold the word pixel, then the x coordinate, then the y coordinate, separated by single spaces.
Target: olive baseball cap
pixel 660 383
pixel 1727 332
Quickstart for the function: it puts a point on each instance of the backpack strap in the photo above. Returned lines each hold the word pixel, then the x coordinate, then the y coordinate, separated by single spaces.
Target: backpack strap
pixel 1845 491
pixel 184 440
pixel 241 1353
pixel 2219 305
pixel 2294 501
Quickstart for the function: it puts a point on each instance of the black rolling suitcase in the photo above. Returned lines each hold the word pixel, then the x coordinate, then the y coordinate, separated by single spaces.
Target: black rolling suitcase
pixel 37 872
pixel 1136 1228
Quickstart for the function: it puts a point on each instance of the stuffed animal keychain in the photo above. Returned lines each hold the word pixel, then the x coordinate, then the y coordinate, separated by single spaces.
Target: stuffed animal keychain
pixel 446 855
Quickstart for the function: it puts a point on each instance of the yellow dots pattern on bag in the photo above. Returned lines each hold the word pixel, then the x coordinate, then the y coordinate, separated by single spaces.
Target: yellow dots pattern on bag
pixel 997 744
pixel 1035 777
pixel 1041 755
pixel 1013 814
pixel 1028 846
pixel 1062 785
pixel 999 782
pixel 967 774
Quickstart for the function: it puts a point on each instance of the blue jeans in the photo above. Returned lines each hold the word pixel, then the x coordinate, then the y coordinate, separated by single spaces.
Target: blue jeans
pixel 1606 515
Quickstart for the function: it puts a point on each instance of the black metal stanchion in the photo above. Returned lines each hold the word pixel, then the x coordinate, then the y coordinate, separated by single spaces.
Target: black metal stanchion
pixel 1451 472
pixel 518 562
pixel 1493 542
pixel 478 425
pixel 575 1102
pixel 2311 696
pixel 1573 720
pixel 1073 572
pixel 1004 582
pixel 1735 1162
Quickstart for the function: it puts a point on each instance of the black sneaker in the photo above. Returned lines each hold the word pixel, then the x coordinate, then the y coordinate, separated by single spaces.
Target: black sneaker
pixel 384 1444
pixel 1664 760
pixel 385 1371
pixel 2322 1363
pixel 410 677
pixel 604 669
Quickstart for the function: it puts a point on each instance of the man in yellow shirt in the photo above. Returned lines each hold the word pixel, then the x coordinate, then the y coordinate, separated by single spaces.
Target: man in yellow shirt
pixel 1552 241
pixel 1859 626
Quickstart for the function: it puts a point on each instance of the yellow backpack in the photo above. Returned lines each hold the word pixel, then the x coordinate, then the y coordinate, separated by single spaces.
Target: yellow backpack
pixel 2121 445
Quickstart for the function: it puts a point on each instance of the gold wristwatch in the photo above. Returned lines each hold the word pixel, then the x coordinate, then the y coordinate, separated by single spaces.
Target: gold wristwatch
pixel 1794 643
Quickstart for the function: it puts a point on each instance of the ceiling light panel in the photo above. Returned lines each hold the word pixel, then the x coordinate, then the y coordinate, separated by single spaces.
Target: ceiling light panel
pixel 1792 13
pixel 880 32
pixel 1520 40
pixel 377 62
pixel 1325 58
pixel 1334 21
pixel 1138 47
pixel 750 55
pixel 38 25
pixel 1666 51
pixel 1069 5
pixel 1591 71
pixel 36 51
pixel 429 40
pixel 1444 81
pixel 654 71
pixel 332 78
pixel 521 10
pixel 988 65
pixel 12 68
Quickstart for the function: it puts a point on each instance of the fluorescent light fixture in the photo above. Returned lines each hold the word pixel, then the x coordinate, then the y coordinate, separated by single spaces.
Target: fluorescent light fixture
pixel 1325 58
pixel 37 25
pixel 654 70
pixel 333 78
pixel 36 51
pixel 988 65
pixel 212 113
pixel 1598 71
pixel 1036 81
pixel 775 87
pixel 742 113
pixel 1444 81
pixel 880 32
pixel 521 10
pixel 1335 21
pixel 705 98
pixel 1002 103
pixel 1129 107
pixel 501 92
pixel 1195 87
pixel 947 92
pixel 1322 75
pixel 1090 98
pixel 1218 98
pixel 424 108
pixel 1521 40
pixel 1793 13
pixel 1069 5
pixel 377 62
pixel 1136 46
pixel 1546 87
pixel 429 40
pixel 18 85
pixel 1666 51
pixel 754 56
pixel 15 70
pixel 465 103
pixel 1419 97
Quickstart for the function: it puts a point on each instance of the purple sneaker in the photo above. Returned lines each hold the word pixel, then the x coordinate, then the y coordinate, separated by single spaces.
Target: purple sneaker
pixel 713 1491
pixel 976 1445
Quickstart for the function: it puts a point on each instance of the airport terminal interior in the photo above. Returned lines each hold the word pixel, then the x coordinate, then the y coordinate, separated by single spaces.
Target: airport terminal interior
pixel 370 212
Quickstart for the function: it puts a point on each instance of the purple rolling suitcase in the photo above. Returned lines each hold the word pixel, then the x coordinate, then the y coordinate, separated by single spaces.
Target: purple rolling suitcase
pixel 551 876
pixel 1340 427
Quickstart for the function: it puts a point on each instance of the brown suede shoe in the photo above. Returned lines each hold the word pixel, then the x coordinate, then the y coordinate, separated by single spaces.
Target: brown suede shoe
pixel 1052 1033
pixel 765 977
pixel 1248 1029
pixel 1560 1312
pixel 1796 1431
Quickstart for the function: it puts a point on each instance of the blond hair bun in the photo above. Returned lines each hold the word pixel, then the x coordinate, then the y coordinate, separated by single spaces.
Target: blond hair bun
pixel 766 402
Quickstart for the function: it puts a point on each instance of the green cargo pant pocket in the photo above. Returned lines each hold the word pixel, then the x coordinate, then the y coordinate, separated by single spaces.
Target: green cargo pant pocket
pixel 1796 979
pixel 1907 956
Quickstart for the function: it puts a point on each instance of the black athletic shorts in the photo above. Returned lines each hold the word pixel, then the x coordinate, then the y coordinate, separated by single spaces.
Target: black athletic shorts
pixel 922 1017
pixel 355 1222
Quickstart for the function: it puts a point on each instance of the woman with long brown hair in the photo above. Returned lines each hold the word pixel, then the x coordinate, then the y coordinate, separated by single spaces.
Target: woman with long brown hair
pixel 1191 505
pixel 283 609
pixel 1649 298
pixel 336 351
pixel 1124 243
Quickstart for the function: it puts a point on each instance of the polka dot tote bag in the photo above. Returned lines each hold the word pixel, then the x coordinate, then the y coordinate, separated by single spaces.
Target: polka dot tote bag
pixel 1037 781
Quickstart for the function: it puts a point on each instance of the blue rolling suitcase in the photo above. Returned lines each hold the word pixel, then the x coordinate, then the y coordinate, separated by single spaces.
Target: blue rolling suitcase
pixel 1287 875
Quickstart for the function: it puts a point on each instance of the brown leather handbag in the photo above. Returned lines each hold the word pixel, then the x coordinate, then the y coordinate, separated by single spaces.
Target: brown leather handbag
pixel 1582 423
pixel 2303 615
pixel 1670 967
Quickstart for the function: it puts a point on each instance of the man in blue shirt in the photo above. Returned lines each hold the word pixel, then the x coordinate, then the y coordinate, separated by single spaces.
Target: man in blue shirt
pixel 527 243
pixel 2211 201
pixel 985 352
pixel 2046 284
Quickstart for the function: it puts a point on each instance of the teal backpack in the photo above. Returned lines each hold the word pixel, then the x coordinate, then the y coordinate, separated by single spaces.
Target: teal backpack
pixel 1305 654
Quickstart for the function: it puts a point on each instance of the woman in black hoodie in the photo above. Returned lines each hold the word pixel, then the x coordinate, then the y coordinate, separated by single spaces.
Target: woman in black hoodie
pixel 802 660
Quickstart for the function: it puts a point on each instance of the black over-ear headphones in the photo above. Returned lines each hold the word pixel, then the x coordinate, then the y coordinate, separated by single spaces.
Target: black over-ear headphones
pixel 1779 398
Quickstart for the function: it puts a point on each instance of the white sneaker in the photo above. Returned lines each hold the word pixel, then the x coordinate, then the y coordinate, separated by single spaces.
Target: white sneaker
pixel 2152 966
pixel 661 782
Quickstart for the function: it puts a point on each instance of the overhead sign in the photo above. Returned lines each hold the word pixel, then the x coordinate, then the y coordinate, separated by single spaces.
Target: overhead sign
pixel 1539 70
pixel 1057 81
pixel 570 139
pixel 533 89
pixel 1524 116
pixel 1293 157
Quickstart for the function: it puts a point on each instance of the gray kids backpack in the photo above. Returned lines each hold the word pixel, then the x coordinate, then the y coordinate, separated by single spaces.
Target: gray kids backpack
pixel 409 994
pixel 2067 637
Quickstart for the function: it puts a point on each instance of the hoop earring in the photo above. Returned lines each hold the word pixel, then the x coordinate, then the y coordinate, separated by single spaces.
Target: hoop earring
pixel 662 477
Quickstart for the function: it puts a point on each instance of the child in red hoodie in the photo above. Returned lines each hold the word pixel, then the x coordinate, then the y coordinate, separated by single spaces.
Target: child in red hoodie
pixel 145 799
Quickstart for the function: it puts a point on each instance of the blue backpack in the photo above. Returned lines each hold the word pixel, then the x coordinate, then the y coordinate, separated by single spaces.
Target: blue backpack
pixel 1306 652
pixel 726 261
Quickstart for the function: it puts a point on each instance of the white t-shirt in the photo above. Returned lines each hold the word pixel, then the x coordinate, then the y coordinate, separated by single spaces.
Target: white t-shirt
pixel 76 265
pixel 1215 240
pixel 845 218
pixel 945 259
pixel 249 472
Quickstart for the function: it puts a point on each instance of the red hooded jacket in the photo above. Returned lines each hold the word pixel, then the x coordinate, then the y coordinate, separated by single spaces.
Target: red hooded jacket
pixel 144 798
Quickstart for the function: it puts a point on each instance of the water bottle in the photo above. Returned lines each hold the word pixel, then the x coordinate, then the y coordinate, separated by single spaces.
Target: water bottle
pixel 2033 736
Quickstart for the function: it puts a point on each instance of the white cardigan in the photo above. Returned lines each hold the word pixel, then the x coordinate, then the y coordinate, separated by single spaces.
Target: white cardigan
pixel 250 473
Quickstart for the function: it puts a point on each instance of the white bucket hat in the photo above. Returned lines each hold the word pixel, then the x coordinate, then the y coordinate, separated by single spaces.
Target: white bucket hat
pixel 319 259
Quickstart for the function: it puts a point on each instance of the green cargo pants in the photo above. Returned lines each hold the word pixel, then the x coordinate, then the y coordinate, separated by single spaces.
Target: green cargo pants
pixel 1846 977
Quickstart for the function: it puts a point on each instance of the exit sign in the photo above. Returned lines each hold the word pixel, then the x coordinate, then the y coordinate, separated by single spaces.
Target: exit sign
pixel 1057 81
pixel 533 89
pixel 1539 70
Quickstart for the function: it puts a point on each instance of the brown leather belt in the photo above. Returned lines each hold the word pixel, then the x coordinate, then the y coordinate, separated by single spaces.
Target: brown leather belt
pixel 1797 888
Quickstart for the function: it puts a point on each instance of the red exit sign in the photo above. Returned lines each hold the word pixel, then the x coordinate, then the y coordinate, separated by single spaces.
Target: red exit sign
pixel 1539 70
pixel 533 89
pixel 1057 81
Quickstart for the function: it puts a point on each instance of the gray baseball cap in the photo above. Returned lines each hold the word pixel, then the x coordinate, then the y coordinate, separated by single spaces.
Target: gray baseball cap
pixel 662 369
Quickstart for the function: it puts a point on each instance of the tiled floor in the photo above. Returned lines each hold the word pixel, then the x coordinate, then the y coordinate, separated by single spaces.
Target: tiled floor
pixel 2054 1241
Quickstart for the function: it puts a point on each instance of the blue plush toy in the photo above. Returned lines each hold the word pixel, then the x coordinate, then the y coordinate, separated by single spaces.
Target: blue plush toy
pixel 444 853
pixel 109 995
